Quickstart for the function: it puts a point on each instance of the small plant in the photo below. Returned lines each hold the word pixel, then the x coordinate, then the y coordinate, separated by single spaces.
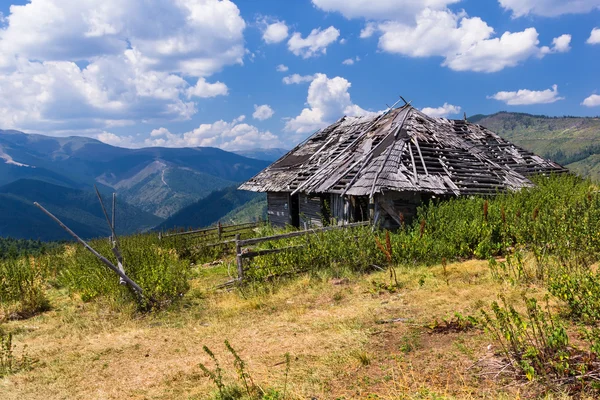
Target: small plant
pixel 387 251
pixel 445 268
pixel 244 387
pixel 9 363
pixel 215 376
pixel 459 323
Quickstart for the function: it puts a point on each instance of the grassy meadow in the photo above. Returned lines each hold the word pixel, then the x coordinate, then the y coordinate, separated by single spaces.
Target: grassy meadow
pixel 478 298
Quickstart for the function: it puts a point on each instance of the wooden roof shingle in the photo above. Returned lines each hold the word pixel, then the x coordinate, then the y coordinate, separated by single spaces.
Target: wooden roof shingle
pixel 402 150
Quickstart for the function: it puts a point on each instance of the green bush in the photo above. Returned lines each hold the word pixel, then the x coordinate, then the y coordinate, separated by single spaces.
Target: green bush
pixel 22 292
pixel 536 344
pixel 161 273
pixel 580 290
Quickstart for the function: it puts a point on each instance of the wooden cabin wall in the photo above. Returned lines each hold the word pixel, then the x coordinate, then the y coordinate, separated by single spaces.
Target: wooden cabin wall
pixel 278 209
pixel 395 207
pixel 338 209
pixel 311 212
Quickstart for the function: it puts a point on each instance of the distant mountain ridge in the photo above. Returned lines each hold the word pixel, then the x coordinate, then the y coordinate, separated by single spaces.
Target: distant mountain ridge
pixel 158 180
pixel 79 210
pixel 263 154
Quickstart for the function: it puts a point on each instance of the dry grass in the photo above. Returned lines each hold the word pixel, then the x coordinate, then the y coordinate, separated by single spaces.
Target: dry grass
pixel 331 328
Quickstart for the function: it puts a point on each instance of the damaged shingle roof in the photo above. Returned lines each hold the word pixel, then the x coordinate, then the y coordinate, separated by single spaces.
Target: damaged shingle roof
pixel 402 150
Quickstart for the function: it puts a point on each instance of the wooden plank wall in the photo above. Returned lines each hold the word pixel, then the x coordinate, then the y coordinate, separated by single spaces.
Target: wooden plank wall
pixel 311 212
pixel 278 209
pixel 338 205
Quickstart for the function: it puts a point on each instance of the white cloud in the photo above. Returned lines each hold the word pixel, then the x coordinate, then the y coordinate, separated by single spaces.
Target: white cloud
pixel 351 61
pixel 159 132
pixel 282 68
pixel 549 8
pixel 296 79
pixel 466 44
pixel 314 44
pixel 275 33
pixel 368 31
pixel 561 44
pixel 594 37
pixel 231 136
pixel 205 89
pixel 443 111
pixel 381 9
pixel 263 112
pixel 592 101
pixel 76 63
pixel 328 100
pixel 527 97
pixel 114 140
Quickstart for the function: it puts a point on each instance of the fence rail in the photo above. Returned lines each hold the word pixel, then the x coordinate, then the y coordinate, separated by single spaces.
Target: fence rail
pixel 243 252
pixel 219 230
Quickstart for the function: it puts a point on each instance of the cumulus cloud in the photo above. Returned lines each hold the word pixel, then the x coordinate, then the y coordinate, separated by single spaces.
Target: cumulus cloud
pixel 528 97
pixel 466 44
pixel 282 68
pixel 328 100
pixel 561 44
pixel 231 136
pixel 381 9
pixel 74 64
pixel 443 111
pixel 594 37
pixel 429 28
pixel 205 89
pixel 296 79
pixel 115 140
pixel 275 33
pixel 314 44
pixel 263 112
pixel 592 101
pixel 548 8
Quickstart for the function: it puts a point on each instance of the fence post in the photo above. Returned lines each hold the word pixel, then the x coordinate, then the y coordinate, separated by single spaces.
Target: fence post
pixel 220 230
pixel 238 256
pixel 159 235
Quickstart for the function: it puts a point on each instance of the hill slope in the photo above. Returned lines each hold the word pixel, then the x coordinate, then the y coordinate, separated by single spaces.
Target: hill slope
pixel 571 141
pixel 79 210
pixel 210 209
pixel 158 180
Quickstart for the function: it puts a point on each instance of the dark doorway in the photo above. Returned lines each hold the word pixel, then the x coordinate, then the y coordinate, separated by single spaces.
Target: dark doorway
pixel 295 210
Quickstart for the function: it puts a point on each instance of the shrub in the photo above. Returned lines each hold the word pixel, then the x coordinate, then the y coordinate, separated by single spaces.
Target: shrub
pixel 22 281
pixel 580 290
pixel 537 345
pixel 161 273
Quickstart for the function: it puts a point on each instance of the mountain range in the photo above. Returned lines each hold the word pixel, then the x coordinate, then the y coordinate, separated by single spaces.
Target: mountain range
pixel 157 180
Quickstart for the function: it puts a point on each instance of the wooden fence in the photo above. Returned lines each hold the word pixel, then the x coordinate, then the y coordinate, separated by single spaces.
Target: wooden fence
pixel 217 233
pixel 242 250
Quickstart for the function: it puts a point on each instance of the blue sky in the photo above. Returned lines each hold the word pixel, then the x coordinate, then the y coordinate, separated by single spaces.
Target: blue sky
pixel 205 72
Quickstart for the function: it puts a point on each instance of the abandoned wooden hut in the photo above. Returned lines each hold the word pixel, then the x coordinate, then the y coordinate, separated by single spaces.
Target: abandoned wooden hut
pixel 383 167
